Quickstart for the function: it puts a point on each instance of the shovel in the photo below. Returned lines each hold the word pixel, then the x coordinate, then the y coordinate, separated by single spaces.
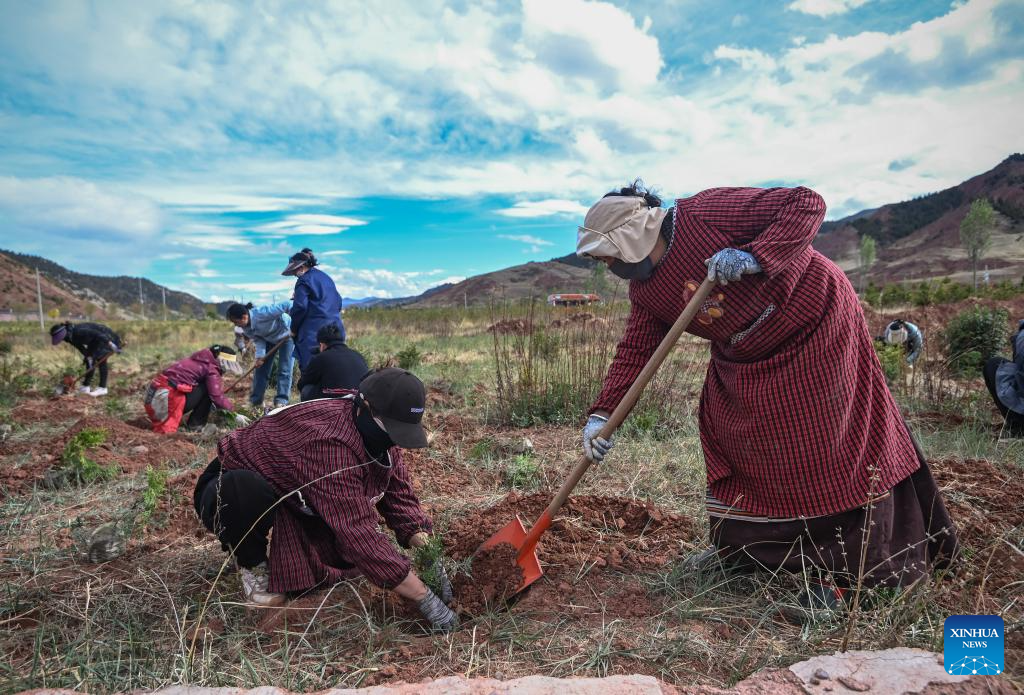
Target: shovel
pixel 67 384
pixel 270 353
pixel 514 533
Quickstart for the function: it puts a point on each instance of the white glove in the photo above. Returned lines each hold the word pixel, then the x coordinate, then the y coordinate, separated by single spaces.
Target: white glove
pixel 242 420
pixel 728 265
pixel 595 447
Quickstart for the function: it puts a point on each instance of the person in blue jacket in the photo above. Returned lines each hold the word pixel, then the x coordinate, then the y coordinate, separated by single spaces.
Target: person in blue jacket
pixel 266 326
pixel 315 304
pixel 1005 381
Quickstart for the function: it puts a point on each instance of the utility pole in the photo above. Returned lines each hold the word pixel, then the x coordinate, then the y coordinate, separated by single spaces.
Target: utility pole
pixel 465 301
pixel 39 298
pixel 163 295
pixel 142 301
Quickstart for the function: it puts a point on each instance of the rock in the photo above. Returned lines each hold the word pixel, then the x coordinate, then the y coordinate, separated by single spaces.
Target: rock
pixel 140 449
pixel 890 671
pixel 853 684
pixel 105 544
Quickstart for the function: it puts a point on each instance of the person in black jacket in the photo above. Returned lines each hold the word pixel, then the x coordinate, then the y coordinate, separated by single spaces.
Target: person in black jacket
pixel 96 342
pixel 336 368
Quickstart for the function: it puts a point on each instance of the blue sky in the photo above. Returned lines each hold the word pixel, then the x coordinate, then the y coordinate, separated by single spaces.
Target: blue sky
pixel 412 143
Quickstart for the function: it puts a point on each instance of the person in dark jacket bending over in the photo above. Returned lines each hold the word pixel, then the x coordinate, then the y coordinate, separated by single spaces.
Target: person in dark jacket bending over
pixel 1005 381
pixel 321 474
pixel 802 440
pixel 97 343
pixel 191 386
pixel 335 369
pixel 316 303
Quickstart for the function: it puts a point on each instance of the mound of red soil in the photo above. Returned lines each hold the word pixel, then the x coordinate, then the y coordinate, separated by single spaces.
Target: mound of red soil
pixel 594 548
pixel 128 447
pixel 55 409
pixel 493 578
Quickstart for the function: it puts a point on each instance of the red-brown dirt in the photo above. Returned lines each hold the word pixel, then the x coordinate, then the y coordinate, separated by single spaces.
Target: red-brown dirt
pixel 493 578
pixel 128 447
pixel 591 553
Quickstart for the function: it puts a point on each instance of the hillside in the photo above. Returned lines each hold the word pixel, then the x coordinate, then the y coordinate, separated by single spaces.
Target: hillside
pixel 920 238
pixel 536 279
pixel 79 294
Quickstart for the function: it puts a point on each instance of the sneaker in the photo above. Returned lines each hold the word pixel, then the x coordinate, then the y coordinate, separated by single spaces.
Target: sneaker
pixel 254 586
pixel 84 389
pixel 98 392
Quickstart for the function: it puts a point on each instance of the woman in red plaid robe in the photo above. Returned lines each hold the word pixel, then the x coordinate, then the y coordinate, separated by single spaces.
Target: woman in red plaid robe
pixel 801 437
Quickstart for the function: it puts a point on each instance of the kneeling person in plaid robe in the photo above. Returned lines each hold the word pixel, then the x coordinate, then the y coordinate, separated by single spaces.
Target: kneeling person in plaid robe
pixel 322 474
pixel 809 462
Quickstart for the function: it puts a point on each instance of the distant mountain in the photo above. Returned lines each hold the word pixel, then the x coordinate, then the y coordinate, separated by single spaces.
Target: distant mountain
pixel 79 294
pixel 920 238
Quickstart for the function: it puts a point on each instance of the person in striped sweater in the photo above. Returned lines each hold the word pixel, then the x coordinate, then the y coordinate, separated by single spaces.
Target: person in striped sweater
pixel 322 474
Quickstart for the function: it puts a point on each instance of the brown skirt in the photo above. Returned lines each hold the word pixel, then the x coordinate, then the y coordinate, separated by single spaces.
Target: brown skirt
pixel 903 536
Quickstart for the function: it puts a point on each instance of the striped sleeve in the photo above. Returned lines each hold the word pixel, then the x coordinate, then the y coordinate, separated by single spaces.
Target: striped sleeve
pixel 639 341
pixel 400 507
pixel 774 224
pixel 341 501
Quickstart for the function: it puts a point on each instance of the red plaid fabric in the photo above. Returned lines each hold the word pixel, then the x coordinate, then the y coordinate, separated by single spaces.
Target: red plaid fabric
pixel 315 446
pixel 795 416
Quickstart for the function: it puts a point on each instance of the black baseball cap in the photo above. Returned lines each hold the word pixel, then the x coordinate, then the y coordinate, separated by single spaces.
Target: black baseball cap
pixel 398 398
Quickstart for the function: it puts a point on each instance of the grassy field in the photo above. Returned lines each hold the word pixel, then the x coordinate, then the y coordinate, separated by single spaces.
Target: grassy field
pixel 615 597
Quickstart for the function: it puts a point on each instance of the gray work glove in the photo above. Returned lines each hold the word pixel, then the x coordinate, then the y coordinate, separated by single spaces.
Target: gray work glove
pixel 595 447
pixel 441 617
pixel 728 265
pixel 242 420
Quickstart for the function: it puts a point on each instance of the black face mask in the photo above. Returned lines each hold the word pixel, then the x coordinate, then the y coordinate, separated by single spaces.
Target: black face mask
pixel 633 271
pixel 376 440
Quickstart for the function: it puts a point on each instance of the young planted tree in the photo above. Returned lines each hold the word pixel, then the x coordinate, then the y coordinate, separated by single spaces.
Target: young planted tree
pixel 976 233
pixel 867 258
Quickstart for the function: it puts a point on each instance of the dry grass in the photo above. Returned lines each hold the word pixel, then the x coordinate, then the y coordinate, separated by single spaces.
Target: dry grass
pixel 131 623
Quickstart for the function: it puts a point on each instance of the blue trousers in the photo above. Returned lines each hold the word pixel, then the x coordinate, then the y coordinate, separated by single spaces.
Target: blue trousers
pixel 261 376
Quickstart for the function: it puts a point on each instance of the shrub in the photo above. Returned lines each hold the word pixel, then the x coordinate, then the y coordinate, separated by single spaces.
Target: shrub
pixel 425 561
pixel 522 471
pixel 156 487
pixel 79 468
pixel 409 357
pixel 973 336
pixel 892 359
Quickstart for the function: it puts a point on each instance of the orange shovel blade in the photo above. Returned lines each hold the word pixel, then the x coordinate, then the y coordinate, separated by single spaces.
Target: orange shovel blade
pixel 514 533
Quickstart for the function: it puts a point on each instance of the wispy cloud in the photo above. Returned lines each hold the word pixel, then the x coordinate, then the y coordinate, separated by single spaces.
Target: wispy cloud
pixel 533 244
pixel 311 225
pixel 544 208
pixel 825 8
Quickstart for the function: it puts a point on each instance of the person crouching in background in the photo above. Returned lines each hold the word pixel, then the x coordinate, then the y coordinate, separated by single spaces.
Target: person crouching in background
pixel 334 369
pixel 907 336
pixel 266 326
pixel 1005 381
pixel 97 343
pixel 193 385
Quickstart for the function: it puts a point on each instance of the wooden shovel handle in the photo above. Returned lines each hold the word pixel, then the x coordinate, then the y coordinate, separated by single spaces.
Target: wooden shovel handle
pixel 270 352
pixel 633 394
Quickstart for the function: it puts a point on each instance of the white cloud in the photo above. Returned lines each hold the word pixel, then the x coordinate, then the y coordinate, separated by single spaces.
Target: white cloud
pixel 312 225
pixel 73 220
pixel 544 208
pixel 202 268
pixel 825 8
pixel 533 244
pixel 336 252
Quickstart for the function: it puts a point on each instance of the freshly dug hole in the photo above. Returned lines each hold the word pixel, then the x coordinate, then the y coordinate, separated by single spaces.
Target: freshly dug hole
pixel 493 578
